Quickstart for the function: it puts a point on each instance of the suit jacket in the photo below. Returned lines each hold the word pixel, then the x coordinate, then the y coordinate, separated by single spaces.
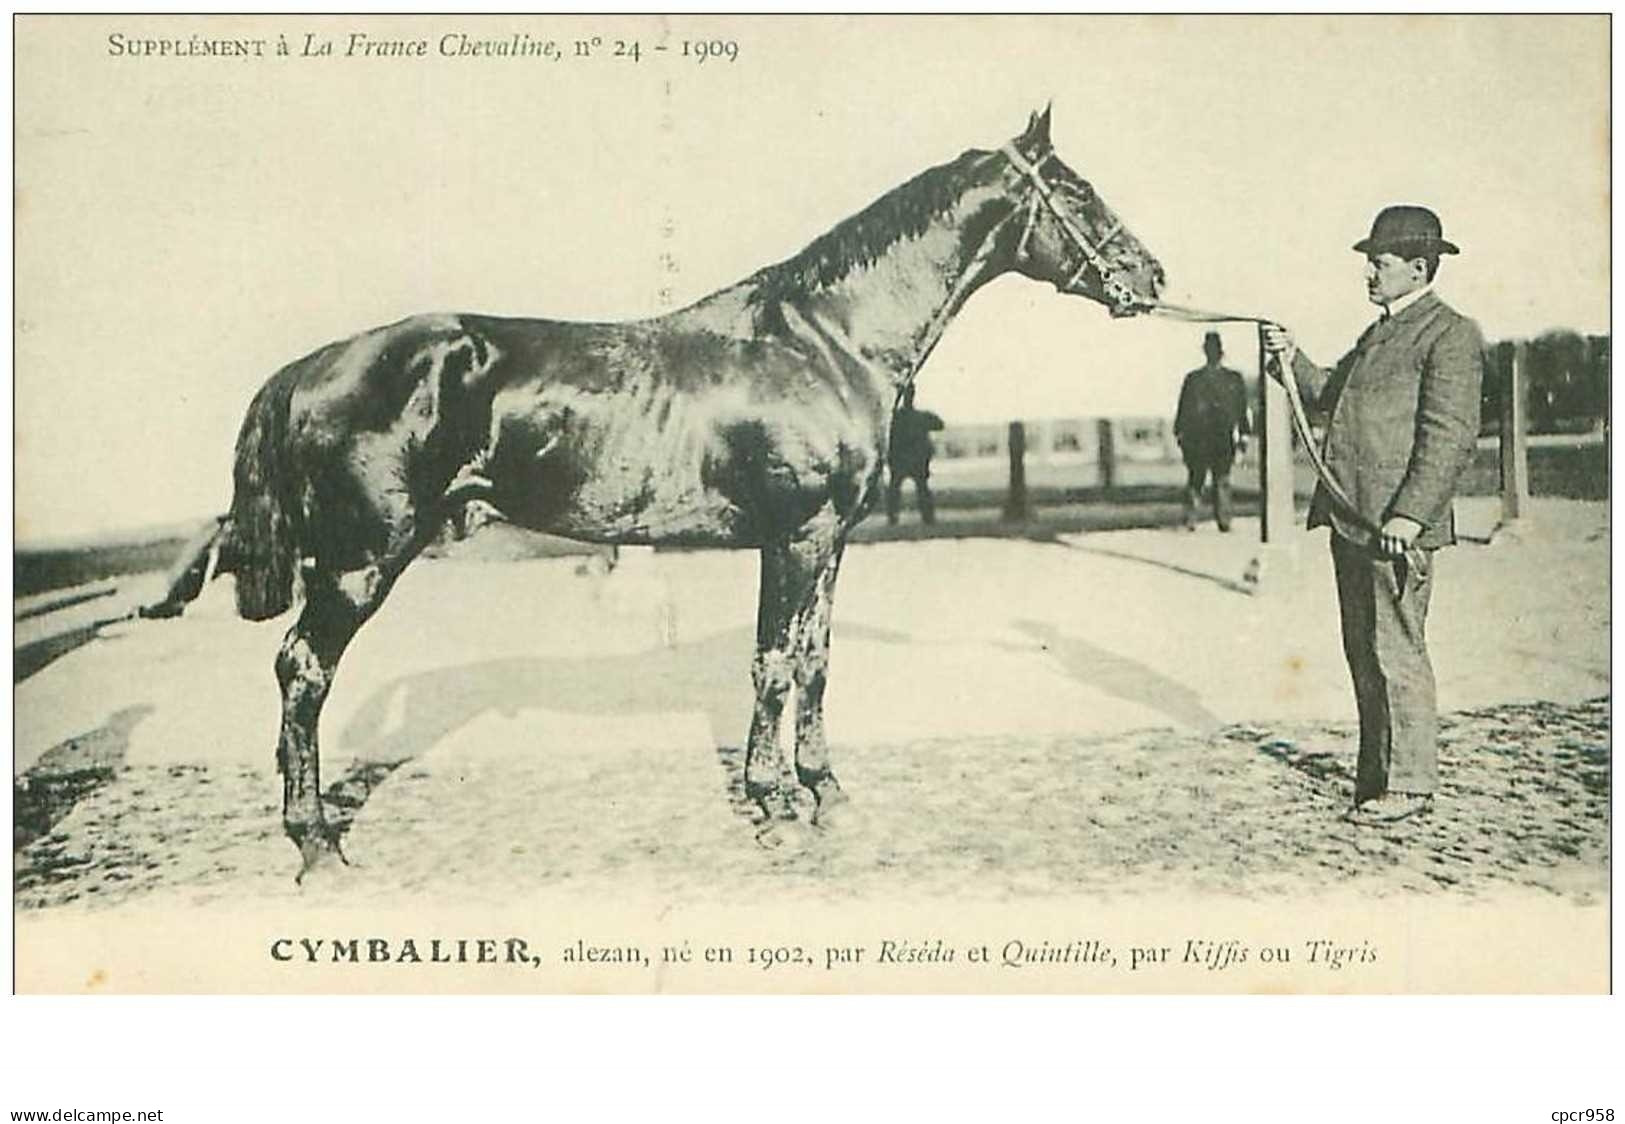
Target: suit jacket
pixel 1404 419
pixel 1212 409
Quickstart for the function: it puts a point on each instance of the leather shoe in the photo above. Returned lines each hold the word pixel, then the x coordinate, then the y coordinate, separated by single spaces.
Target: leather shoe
pixel 1391 807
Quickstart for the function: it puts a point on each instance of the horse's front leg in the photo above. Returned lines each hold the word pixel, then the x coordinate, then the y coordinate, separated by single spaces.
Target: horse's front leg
pixel 811 672
pixel 772 675
pixel 793 574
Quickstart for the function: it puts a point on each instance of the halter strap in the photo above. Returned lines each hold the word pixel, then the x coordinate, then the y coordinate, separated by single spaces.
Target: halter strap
pixel 1027 230
pixel 1044 193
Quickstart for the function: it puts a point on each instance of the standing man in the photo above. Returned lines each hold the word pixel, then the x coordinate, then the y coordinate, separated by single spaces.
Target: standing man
pixel 909 453
pixel 1403 406
pixel 1211 426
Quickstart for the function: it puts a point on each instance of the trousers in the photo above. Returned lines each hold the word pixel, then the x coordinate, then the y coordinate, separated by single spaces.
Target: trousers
pixel 922 494
pixel 1198 466
pixel 1383 606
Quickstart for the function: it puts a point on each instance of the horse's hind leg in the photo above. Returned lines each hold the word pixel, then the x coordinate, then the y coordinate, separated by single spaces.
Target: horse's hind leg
pixel 305 666
pixel 337 604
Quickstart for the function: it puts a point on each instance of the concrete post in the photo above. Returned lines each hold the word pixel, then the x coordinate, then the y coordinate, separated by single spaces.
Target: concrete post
pixel 1274 454
pixel 1514 401
pixel 1277 557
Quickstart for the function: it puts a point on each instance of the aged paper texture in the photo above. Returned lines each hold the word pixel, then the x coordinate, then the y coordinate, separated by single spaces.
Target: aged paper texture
pixel 521 273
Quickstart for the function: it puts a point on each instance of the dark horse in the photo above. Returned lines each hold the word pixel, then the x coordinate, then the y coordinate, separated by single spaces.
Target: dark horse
pixel 757 417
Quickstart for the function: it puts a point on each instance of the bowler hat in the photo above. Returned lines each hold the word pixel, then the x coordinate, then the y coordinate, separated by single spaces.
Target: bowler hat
pixel 1407 231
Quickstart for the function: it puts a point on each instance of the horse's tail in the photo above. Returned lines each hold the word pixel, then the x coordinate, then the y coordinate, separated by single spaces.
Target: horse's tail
pixel 262 531
pixel 199 560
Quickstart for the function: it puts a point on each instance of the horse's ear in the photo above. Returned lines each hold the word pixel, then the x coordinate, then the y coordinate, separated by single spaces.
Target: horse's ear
pixel 1037 130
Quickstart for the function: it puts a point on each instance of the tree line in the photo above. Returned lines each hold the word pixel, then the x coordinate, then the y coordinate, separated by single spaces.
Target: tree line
pixel 1568 380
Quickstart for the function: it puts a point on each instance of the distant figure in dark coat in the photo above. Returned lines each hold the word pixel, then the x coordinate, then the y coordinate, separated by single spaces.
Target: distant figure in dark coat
pixel 909 455
pixel 1211 426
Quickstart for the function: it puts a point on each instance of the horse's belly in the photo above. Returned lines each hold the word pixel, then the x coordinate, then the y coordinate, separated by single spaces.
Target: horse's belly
pixel 668 469
pixel 625 499
pixel 603 515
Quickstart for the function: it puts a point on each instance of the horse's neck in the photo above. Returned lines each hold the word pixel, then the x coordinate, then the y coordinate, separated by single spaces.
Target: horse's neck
pixel 894 309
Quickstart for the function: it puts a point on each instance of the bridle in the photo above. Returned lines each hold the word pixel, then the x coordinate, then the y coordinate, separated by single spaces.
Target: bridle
pixel 1122 295
pixel 1120 292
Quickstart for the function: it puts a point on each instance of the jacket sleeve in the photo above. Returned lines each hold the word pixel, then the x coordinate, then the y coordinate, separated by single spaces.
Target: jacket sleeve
pixel 1244 413
pixel 1312 379
pixel 1446 423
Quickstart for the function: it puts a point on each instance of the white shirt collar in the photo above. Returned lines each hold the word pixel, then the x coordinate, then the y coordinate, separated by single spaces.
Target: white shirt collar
pixel 1407 300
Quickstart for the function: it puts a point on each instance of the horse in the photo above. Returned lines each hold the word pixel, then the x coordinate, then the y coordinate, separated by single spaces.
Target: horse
pixel 757 417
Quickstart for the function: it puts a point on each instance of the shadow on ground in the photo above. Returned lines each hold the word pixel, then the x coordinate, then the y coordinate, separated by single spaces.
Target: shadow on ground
pixel 31 659
pixel 404 718
pixel 68 772
pixel 1237 584
pixel 1121 677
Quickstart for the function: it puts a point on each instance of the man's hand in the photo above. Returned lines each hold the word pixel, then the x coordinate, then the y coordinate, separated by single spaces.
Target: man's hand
pixel 1280 346
pixel 1397 536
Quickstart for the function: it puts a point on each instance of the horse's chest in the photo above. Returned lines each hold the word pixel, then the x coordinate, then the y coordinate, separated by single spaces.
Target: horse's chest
pixel 780 471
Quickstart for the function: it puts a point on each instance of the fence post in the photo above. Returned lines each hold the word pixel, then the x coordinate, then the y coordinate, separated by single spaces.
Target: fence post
pixel 1015 504
pixel 1106 456
pixel 1514 402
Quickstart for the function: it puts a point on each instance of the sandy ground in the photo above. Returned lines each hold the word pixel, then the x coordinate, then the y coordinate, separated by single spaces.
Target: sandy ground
pixel 1107 713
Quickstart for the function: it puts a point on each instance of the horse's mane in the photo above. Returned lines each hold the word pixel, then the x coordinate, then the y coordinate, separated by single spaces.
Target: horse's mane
pixel 903 212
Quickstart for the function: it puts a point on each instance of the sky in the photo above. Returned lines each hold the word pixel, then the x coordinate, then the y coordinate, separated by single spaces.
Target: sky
pixel 185 226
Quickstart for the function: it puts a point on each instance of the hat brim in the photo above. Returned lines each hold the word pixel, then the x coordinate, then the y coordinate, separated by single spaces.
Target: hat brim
pixel 1411 247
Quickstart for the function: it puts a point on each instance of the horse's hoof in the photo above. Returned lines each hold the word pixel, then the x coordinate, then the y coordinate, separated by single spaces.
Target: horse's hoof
pixel 772 803
pixel 785 834
pixel 319 857
pixel 834 806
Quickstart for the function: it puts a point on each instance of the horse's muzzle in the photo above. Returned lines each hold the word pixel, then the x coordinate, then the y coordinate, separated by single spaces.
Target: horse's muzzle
pixel 1130 306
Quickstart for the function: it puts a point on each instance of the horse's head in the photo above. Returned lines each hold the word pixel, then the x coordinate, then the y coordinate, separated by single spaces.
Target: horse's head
pixel 1063 232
